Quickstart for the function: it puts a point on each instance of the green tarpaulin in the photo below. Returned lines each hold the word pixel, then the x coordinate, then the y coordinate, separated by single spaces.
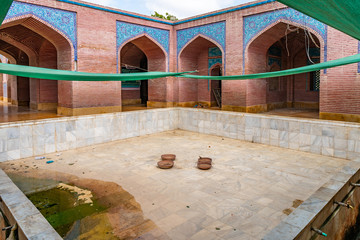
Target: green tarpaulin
pixel 343 15
pixel 4 8
pixel 52 74
pixel 310 68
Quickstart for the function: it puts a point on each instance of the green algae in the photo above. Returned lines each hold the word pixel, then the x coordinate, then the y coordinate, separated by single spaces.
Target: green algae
pixel 62 209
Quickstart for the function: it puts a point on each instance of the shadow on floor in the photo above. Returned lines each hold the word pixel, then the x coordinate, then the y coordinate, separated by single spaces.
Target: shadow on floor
pixel 11 113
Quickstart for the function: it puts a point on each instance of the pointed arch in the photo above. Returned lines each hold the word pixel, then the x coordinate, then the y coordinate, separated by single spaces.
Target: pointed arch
pixel 11 59
pixel 267 29
pixel 206 38
pixel 289 48
pixel 143 48
pixel 65 47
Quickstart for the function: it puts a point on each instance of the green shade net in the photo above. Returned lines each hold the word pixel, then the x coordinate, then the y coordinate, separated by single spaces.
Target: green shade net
pixel 4 8
pixel 343 15
pixel 310 68
pixel 53 74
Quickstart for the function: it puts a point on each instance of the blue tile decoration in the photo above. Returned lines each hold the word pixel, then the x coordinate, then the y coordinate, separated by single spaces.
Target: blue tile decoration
pixel 215 52
pixel 213 61
pixel 64 21
pixel 256 23
pixel 215 56
pixel 126 31
pixel 214 31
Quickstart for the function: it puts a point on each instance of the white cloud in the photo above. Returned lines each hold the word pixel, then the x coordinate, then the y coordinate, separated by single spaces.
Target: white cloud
pixel 109 3
pixel 179 8
pixel 188 8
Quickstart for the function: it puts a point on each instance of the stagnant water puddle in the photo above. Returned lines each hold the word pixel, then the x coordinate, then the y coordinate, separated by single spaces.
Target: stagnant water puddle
pixel 62 208
pixel 83 208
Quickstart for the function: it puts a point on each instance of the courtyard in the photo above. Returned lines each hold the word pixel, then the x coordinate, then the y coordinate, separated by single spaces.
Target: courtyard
pixel 250 189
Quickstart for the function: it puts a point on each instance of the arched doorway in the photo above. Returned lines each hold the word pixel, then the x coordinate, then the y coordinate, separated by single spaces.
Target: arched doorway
pixel 284 46
pixel 32 42
pixel 134 60
pixel 216 86
pixel 143 54
pixel 206 56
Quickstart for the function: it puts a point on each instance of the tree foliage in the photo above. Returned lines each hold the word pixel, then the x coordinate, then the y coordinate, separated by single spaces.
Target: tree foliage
pixel 167 16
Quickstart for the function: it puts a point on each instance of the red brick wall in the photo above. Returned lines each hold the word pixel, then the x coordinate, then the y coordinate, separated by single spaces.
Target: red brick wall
pixel 130 94
pixel 340 90
pixel 194 56
pixel 302 89
pixel 48 89
pixel 23 89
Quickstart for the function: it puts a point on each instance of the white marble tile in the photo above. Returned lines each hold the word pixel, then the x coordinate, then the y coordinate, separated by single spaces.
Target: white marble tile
pixel 26 152
pixel 274 134
pixel 316 140
pixel 340 144
pixel 4 156
pixel 26 142
pixel 3 145
pixel 305 128
pixel 357 146
pixel 340 153
pixel 3 133
pixel 327 142
pixel 304 140
pixel 49 129
pixel 351 145
pixel 294 126
pixel 328 131
pixel 273 124
pixel 38 129
pixel 13 144
pixel 25 131
pixel 13 155
pixel 354 133
pixel 13 133
pixel 316 129
pixel 327 151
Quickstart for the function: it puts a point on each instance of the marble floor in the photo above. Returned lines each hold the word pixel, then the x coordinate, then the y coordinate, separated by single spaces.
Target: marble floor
pixel 292 112
pixel 249 190
pixel 11 113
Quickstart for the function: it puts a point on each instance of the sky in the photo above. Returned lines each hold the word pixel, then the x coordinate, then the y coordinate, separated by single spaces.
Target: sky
pixel 180 8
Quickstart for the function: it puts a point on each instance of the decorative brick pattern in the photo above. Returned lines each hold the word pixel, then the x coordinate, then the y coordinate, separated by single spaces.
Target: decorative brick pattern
pixel 214 31
pixel 63 21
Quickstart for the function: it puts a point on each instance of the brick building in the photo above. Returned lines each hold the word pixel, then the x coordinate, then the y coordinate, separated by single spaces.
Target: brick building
pixel 257 37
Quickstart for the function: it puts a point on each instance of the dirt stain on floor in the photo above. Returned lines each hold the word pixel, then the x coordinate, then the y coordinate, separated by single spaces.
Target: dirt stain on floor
pixel 122 219
pixel 297 203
